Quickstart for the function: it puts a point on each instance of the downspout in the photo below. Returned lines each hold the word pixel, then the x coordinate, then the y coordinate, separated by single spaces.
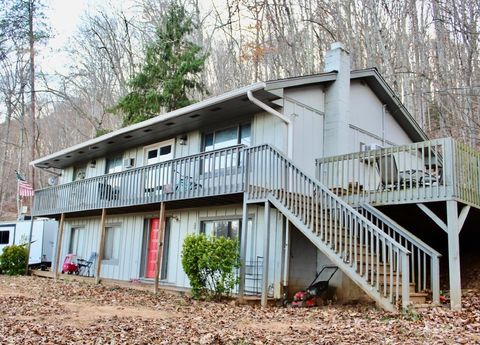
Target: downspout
pixel 280 116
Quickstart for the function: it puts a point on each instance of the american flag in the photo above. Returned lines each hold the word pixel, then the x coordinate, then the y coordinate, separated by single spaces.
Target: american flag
pixel 24 188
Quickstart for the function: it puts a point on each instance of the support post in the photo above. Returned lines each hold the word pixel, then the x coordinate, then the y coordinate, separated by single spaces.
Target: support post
pixel 286 258
pixel 59 244
pixel 435 282
pixel 101 246
pixel 243 248
pixel 161 232
pixel 454 256
pixel 266 247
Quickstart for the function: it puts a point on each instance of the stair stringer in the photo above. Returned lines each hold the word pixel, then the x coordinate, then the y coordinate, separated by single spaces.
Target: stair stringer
pixel 335 258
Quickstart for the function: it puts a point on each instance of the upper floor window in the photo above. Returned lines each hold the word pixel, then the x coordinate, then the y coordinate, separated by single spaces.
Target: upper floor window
pixel 113 164
pixel 219 139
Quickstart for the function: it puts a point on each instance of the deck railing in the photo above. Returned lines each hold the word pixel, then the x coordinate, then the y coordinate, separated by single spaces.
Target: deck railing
pixel 207 174
pixel 427 171
pixel 374 260
pixel 466 173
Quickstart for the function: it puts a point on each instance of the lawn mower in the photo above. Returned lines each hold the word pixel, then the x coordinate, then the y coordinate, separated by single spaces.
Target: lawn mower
pixel 307 297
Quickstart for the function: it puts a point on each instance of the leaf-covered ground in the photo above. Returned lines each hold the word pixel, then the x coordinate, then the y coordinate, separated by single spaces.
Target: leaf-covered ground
pixel 41 311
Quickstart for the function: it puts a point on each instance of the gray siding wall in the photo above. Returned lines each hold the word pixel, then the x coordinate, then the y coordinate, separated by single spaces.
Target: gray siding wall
pixel 375 123
pixel 305 106
pixel 183 222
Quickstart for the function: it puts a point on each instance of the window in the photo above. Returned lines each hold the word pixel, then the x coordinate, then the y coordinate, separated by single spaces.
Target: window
pixel 222 139
pixel 4 237
pixel 79 172
pixel 231 136
pixel 77 237
pixel 112 243
pixel 227 228
pixel 113 164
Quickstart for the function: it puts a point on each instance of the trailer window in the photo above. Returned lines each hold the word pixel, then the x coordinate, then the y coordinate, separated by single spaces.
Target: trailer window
pixel 4 237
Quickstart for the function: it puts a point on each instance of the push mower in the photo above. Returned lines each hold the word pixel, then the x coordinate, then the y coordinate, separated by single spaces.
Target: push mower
pixel 307 298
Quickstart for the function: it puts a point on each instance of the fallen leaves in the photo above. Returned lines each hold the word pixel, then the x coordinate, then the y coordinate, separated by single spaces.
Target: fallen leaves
pixel 41 311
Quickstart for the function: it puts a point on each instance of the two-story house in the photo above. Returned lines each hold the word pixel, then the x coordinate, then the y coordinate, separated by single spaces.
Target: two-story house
pixel 302 170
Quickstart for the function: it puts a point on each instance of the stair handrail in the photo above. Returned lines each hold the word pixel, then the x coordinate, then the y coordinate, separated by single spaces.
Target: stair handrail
pixel 412 241
pixel 350 214
pixel 331 194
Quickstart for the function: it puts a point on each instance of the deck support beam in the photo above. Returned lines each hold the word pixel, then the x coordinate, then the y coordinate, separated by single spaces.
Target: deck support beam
pixel 433 217
pixel 243 249
pixel 101 246
pixel 161 235
pixel 266 247
pixel 454 255
pixel 58 248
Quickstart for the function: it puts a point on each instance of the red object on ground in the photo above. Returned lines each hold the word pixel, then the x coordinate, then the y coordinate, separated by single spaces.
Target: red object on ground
pixel 303 299
pixel 70 264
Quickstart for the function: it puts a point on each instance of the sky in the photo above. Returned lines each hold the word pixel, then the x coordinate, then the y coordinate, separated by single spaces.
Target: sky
pixel 64 17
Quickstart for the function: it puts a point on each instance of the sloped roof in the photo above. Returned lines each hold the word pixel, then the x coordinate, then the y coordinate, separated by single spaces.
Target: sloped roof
pixel 227 106
pixel 377 84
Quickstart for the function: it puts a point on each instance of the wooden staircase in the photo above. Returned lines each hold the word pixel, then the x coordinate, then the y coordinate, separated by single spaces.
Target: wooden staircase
pixel 368 255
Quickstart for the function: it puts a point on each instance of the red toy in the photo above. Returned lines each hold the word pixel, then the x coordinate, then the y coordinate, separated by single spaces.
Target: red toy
pixel 70 264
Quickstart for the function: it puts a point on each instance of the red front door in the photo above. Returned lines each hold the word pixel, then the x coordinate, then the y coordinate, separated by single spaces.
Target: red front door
pixel 152 247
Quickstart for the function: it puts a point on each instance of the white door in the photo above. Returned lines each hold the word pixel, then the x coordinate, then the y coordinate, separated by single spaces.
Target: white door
pixel 159 176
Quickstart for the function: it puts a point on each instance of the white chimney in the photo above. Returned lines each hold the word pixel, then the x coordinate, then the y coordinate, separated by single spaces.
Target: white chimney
pixel 337 102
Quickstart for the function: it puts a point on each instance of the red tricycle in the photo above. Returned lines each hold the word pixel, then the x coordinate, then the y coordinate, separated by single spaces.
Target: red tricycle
pixel 70 265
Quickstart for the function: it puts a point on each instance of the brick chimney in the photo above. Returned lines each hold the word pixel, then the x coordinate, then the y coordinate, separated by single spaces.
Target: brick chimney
pixel 337 101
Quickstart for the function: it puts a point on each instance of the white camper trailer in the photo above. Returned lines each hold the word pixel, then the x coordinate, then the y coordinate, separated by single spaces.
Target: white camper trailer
pixel 44 234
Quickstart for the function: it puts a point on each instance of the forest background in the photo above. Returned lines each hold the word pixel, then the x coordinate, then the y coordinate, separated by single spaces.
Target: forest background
pixel 427 50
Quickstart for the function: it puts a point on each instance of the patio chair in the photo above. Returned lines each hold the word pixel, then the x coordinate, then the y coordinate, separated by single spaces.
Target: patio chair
pixel 388 171
pixel 85 265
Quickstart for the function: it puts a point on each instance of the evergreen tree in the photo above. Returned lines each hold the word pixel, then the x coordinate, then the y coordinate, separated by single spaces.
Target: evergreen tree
pixel 170 71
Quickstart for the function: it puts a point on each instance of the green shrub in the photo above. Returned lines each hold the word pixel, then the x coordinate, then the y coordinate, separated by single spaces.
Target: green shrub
pixel 13 260
pixel 210 264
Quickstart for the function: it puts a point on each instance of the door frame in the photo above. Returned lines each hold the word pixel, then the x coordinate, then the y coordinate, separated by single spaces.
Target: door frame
pixel 157 146
pixel 144 251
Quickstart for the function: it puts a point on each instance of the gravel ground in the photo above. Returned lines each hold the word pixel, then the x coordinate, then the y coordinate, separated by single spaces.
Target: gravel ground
pixel 41 311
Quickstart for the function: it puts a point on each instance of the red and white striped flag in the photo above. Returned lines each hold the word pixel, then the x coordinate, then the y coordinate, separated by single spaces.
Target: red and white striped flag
pixel 24 188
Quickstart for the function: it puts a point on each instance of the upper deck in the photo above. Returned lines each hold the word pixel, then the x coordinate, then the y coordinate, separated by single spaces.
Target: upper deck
pixel 435 170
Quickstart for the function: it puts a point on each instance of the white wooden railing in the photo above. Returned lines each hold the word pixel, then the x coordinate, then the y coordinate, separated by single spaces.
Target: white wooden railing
pixel 424 260
pixel 207 174
pixel 368 255
pixel 433 170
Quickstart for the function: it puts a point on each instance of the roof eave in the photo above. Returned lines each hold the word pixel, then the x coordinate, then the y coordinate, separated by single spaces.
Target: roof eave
pixel 161 118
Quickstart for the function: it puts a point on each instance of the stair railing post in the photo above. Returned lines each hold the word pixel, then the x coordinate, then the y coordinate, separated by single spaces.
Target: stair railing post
pixel 405 280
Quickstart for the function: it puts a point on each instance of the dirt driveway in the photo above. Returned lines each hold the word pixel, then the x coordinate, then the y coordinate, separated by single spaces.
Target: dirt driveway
pixel 41 311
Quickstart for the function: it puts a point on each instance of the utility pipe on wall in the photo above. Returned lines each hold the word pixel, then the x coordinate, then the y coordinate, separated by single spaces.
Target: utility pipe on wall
pixel 280 116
